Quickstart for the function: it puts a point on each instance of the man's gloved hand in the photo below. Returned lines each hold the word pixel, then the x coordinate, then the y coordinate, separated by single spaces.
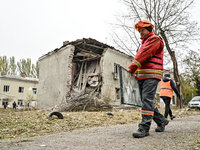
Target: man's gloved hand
pixel 130 71
pixel 133 73
pixel 132 68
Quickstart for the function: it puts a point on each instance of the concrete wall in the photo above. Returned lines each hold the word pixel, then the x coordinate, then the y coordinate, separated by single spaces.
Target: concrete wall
pixel 13 94
pixel 110 58
pixel 55 77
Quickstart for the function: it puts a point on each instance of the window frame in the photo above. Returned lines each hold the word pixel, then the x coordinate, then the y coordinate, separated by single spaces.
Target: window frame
pixel 20 100
pixel 6 89
pixel 34 90
pixel 116 68
pixel 20 89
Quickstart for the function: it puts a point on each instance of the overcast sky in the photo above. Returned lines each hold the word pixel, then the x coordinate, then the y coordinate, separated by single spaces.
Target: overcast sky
pixel 32 28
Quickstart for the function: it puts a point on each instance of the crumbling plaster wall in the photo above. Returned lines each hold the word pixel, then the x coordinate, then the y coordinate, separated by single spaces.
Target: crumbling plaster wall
pixel 55 77
pixel 110 58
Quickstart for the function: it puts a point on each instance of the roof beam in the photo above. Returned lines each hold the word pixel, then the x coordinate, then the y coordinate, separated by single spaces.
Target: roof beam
pixel 93 46
pixel 87 51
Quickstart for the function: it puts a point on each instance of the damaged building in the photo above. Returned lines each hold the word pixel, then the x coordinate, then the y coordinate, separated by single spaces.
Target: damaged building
pixel 85 66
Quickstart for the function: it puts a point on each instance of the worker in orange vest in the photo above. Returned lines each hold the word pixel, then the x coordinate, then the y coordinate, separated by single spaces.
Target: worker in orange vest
pixel 166 93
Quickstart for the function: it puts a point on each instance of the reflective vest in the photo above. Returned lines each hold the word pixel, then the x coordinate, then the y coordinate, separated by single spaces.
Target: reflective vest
pixel 166 89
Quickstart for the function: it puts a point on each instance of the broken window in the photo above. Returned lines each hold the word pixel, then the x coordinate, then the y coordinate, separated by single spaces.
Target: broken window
pixel 129 88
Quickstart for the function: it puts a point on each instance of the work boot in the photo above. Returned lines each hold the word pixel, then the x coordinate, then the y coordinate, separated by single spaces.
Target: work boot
pixel 140 133
pixel 161 128
pixel 172 117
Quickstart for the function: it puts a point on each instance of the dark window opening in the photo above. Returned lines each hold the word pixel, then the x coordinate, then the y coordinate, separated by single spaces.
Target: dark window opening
pixel 116 68
pixel 5 103
pixel 20 102
pixel 21 90
pixel 34 90
pixel 6 88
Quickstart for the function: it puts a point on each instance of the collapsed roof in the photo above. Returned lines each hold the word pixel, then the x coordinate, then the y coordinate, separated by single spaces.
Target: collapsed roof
pixel 86 49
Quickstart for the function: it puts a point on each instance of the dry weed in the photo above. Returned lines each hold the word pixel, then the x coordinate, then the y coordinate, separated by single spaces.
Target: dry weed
pixel 23 124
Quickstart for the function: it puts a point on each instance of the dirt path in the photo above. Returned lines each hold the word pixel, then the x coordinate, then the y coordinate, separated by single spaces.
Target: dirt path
pixel 181 133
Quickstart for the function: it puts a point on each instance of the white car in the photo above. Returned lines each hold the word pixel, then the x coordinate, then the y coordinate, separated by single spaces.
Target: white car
pixel 195 102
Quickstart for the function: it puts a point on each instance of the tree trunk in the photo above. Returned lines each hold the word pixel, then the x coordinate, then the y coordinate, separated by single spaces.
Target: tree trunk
pixel 176 74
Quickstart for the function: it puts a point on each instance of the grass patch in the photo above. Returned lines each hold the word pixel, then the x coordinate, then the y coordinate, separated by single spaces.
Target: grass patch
pixel 24 124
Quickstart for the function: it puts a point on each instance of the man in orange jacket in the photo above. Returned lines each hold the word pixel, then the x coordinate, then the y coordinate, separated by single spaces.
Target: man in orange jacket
pixel 166 93
pixel 147 67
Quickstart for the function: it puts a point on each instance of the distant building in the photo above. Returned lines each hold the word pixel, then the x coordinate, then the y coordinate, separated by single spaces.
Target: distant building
pixel 18 89
pixel 86 65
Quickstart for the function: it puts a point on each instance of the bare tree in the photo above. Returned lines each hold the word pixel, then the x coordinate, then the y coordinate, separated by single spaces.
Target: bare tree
pixel 28 100
pixel 192 62
pixel 171 21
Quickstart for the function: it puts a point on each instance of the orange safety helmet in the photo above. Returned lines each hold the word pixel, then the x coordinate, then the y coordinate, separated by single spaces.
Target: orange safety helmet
pixel 142 24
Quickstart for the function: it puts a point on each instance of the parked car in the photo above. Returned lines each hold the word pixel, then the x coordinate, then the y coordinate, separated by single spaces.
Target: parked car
pixel 195 102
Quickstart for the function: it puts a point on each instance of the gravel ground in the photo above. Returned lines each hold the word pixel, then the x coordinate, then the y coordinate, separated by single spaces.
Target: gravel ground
pixel 179 134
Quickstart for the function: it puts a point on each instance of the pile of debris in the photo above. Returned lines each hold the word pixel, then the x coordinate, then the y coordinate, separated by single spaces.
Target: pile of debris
pixel 82 102
pixel 85 101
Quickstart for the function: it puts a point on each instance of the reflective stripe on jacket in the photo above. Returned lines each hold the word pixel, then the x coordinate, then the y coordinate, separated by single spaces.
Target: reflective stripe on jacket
pixel 148 62
pixel 166 89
